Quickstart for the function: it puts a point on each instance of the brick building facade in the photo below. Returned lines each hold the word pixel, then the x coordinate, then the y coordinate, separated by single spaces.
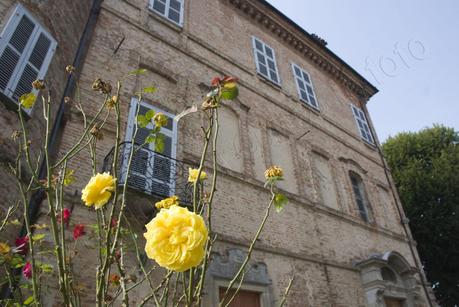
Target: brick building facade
pixel 300 106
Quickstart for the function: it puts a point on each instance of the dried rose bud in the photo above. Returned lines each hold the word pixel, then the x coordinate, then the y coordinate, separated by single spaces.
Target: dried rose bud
pixel 111 102
pixel 70 69
pixel 38 84
pixel 95 131
pixel 68 100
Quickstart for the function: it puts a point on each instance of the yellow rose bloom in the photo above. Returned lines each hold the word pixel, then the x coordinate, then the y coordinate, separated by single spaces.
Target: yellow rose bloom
pixel 274 171
pixel 4 248
pixel 167 202
pixel 193 175
pixel 98 190
pixel 176 239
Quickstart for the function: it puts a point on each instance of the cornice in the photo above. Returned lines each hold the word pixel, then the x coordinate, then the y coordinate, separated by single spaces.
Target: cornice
pixel 307 46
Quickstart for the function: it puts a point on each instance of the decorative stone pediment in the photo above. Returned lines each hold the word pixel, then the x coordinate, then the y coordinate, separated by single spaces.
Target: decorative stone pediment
pixel 226 267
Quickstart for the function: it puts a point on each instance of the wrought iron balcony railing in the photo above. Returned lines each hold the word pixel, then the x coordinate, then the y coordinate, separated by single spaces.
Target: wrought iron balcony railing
pixel 152 173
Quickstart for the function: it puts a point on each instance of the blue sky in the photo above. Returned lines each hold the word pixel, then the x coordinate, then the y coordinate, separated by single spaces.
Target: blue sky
pixel 408 49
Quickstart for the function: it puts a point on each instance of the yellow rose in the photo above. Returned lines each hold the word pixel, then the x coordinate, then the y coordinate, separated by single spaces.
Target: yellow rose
pixel 176 239
pixel 167 202
pixel 98 190
pixel 193 175
pixel 274 171
pixel 4 248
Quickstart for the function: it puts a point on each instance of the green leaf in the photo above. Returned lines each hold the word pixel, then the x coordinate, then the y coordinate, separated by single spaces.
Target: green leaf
pixel 159 143
pixel 38 237
pixel 149 89
pixel 150 139
pixel 230 91
pixel 46 268
pixel 280 200
pixel 149 115
pixel 139 71
pixel 28 301
pixel 142 121
pixel 27 100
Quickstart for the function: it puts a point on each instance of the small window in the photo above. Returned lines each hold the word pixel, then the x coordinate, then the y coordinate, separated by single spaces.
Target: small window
pixel 151 172
pixel 360 196
pixel 26 49
pixel 170 9
pixel 362 124
pixel 388 275
pixel 265 59
pixel 304 86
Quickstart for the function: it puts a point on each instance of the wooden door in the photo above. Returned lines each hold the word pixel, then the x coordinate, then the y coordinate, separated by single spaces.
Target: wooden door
pixel 393 302
pixel 243 298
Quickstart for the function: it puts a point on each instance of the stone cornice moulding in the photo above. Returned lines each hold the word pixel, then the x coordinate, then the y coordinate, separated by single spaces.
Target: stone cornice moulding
pixel 306 46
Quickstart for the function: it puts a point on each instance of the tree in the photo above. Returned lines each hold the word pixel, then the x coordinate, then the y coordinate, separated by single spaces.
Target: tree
pixel 425 168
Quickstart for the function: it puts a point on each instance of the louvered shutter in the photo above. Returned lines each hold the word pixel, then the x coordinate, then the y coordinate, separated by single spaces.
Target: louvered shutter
pixel 26 50
pixel 151 172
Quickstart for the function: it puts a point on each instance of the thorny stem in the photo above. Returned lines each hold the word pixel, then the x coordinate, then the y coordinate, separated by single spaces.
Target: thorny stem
pixel 51 205
pixel 208 247
pixel 287 290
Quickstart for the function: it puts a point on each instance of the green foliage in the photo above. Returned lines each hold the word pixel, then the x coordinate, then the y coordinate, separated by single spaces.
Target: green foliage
pixel 280 200
pixel 425 167
pixel 140 71
pixel 229 91
pixel 149 90
pixel 29 301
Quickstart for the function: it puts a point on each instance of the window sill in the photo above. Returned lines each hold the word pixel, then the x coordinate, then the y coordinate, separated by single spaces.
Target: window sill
pixel 165 21
pixel 308 106
pixel 371 146
pixel 11 105
pixel 269 82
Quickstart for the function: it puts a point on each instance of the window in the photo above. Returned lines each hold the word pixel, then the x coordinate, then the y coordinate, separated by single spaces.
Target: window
pixel 26 49
pixel 266 60
pixel 360 196
pixel 304 86
pixel 362 124
pixel 150 172
pixel 170 9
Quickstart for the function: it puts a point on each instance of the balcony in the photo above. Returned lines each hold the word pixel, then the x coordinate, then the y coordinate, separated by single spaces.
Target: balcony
pixel 152 173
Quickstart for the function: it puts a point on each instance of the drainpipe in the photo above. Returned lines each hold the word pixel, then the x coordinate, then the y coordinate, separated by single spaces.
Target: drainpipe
pixel 37 198
pixel 402 216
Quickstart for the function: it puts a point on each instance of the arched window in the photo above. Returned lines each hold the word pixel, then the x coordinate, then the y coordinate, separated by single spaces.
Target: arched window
pixel 360 196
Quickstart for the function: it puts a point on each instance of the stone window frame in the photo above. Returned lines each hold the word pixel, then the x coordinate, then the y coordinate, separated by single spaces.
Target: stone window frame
pixel 167 9
pixel 362 124
pixel 38 34
pixel 368 218
pixel 406 288
pixel 264 53
pixel 222 268
pixel 304 79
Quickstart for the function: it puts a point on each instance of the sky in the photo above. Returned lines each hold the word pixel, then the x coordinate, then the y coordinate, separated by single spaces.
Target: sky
pixel 408 49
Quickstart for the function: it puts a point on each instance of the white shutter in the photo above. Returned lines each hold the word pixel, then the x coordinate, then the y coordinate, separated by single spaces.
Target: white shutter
pixel 362 124
pixel 170 9
pixel 265 58
pixel 26 50
pixel 151 172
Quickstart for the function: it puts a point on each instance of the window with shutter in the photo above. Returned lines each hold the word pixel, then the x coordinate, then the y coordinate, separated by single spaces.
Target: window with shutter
pixel 170 9
pixel 265 59
pixel 362 124
pixel 360 196
pixel 151 172
pixel 304 86
pixel 26 49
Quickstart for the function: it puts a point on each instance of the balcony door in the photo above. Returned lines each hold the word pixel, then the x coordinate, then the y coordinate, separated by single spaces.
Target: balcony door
pixel 243 298
pixel 393 302
pixel 151 172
